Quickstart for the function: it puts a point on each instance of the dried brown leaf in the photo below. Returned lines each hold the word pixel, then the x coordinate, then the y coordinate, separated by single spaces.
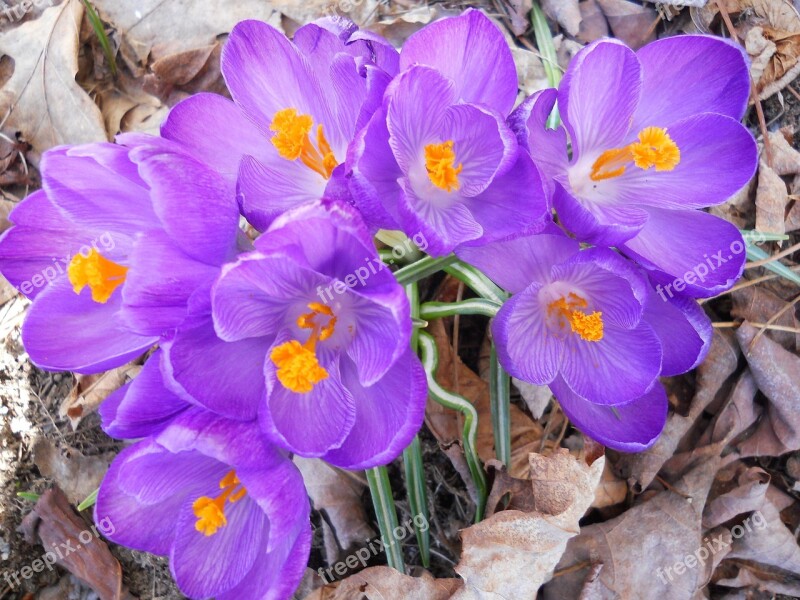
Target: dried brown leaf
pixel 338 495
pixel 564 12
pixel 42 98
pixel 758 305
pixel 593 22
pixel 776 371
pixel 785 159
pixel 89 391
pixel 630 22
pixel 632 547
pixel 771 199
pixel 518 14
pixel 385 583
pixel 77 475
pixel 497 550
pixel 56 525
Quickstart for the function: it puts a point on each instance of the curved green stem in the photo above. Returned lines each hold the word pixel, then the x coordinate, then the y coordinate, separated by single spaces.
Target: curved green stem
pixel 430 360
pixel 382 500
pixel 476 281
pixel 544 41
pixel 473 306
pixel 423 268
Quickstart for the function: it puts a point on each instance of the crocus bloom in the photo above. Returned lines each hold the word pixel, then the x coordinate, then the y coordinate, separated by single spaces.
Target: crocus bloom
pixel 93 246
pixel 229 510
pixel 654 135
pixel 438 158
pixel 296 107
pixel 588 324
pixel 318 330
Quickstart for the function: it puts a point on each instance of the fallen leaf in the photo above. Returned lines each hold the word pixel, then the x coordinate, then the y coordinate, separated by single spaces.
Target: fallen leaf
pixel 530 71
pixel 771 199
pixel 630 22
pixel 593 22
pixel 785 159
pixel 385 583
pixel 42 99
pixel 776 371
pixel 722 361
pixel 518 12
pixel 154 29
pixel 537 397
pixel 500 548
pixel 55 525
pixel 338 496
pixel 89 391
pixel 636 548
pixel 77 475
pixel 564 12
pixel 758 305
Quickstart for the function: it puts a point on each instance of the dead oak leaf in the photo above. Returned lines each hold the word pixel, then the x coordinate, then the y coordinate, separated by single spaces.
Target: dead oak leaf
pixel 42 99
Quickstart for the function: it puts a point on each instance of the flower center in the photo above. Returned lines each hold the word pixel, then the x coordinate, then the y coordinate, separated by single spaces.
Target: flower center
pixel 103 276
pixel 210 512
pixel 292 141
pixel 298 367
pixel 654 149
pixel 439 161
pixel 589 327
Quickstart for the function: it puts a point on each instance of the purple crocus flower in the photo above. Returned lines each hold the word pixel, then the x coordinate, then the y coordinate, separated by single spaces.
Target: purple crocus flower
pixel 654 134
pixel 296 107
pixel 92 247
pixel 588 324
pixel 229 510
pixel 312 336
pixel 438 157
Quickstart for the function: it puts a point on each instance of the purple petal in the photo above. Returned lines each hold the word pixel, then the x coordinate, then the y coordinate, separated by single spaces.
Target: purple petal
pixel 516 263
pixel 472 52
pixel 65 331
pixel 152 302
pixel 598 96
pixel 389 414
pixel 718 157
pixel 684 329
pixel 224 377
pixel 418 100
pixel 617 369
pixel 215 131
pixel 602 225
pixel 690 74
pixel 689 252
pixel 635 426
pixel 502 211
pixel 526 347
pixel 193 205
pixel 309 424
pixel 142 407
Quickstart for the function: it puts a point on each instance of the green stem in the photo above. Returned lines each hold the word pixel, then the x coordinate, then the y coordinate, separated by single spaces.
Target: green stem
pixel 382 500
pixel 418 497
pixel 544 41
pixel 473 306
pixel 89 501
pixel 423 268
pixel 476 281
pixel 500 394
pixel 430 360
pixel 412 458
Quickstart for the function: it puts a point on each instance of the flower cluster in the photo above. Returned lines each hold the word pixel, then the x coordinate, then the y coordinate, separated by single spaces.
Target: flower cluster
pixel 327 139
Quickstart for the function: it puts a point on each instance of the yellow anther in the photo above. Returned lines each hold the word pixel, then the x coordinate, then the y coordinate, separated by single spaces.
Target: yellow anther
pixel 298 367
pixel 439 162
pixel 589 327
pixel 210 512
pixel 655 148
pixel 292 141
pixel 103 276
